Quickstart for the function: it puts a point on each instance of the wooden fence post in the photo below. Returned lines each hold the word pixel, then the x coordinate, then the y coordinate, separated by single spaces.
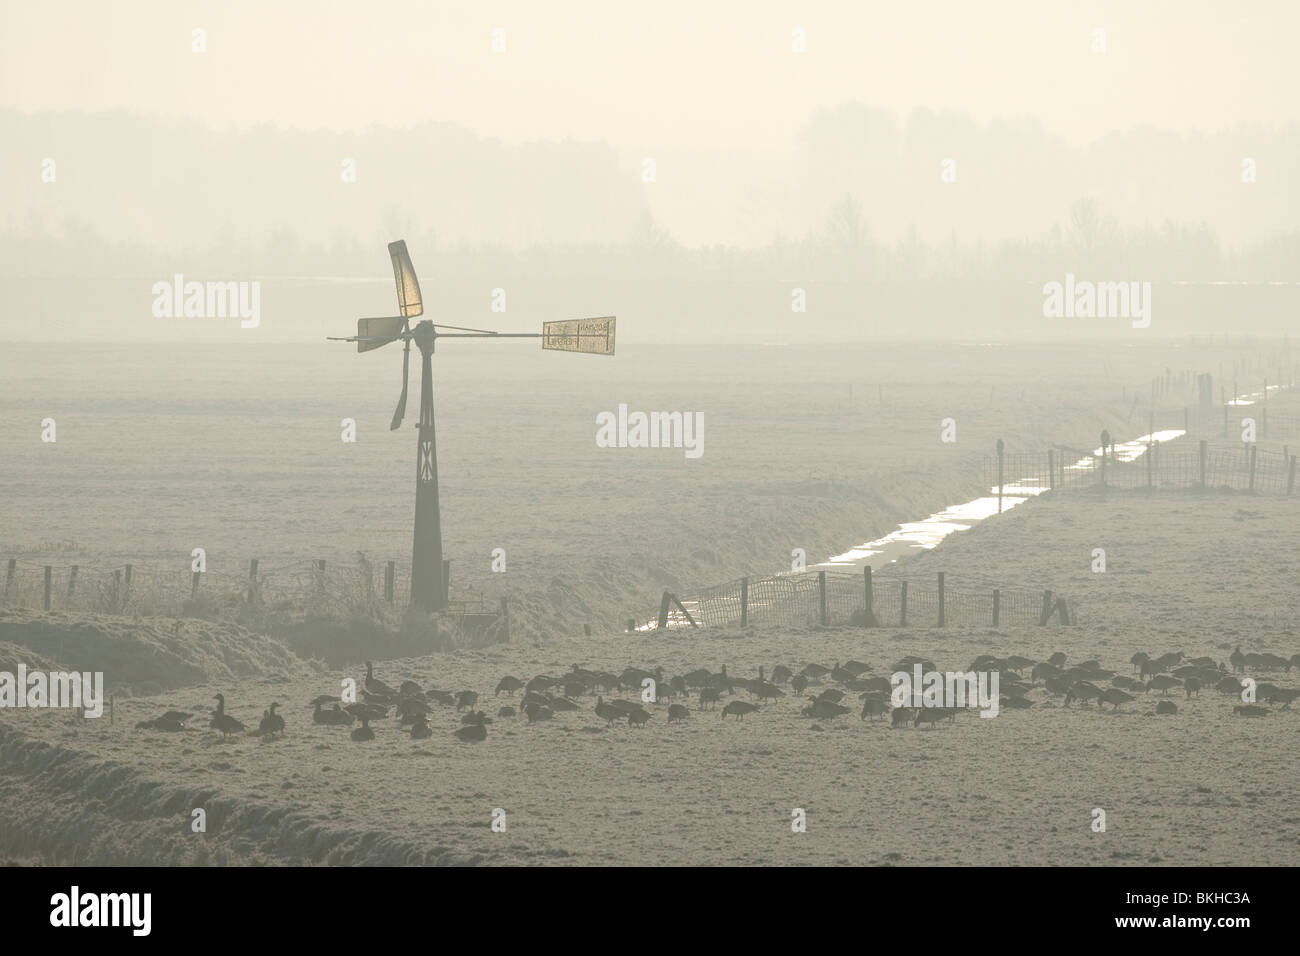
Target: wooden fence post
pixel 1047 608
pixel 1204 455
pixel 663 610
pixel 1290 477
pixel 49 574
pixel 126 585
pixel 997 606
pixel 9 576
pixel 1051 469
pixel 194 585
pixel 1253 449
pixel 1000 446
pixel 252 580
pixel 390 575
pixel 821 597
pixel 902 602
pixel 869 595
pixel 505 613
pixel 744 601
pixel 117 588
pixel 941 608
pixel 72 580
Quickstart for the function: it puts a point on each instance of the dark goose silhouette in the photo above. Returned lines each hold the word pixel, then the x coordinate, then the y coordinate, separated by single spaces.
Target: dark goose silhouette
pixel 222 721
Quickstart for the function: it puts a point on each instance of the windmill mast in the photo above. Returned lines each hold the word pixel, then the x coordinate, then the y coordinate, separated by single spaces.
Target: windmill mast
pixel 428 582
pixel 594 336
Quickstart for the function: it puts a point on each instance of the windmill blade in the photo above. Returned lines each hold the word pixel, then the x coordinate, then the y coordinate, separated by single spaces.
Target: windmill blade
pixel 409 302
pixel 461 328
pixel 377 332
pixel 401 402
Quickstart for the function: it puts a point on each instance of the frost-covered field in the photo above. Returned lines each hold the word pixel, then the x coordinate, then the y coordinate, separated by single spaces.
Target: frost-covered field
pixel 1190 572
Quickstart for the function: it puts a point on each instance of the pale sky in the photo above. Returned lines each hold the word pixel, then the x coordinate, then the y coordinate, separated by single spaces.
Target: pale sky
pixel 665 74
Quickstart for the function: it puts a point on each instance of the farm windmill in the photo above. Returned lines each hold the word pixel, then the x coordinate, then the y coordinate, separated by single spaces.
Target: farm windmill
pixel 594 336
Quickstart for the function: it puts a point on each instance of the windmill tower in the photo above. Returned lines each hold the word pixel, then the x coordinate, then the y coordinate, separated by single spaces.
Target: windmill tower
pixel 593 336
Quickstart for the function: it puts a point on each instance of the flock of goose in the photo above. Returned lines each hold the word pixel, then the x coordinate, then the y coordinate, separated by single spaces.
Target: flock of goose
pixel 544 695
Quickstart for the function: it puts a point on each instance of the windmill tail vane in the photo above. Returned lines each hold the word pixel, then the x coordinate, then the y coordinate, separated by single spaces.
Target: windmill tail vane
pixel 593 336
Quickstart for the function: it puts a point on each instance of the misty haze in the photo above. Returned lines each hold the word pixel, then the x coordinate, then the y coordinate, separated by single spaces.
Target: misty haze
pixel 598 434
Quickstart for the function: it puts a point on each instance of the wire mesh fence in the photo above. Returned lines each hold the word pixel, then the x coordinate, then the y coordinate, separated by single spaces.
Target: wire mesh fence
pixel 318 587
pixel 1240 466
pixel 836 597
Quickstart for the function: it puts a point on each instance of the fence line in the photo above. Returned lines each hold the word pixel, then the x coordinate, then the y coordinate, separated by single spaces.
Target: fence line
pixel 855 597
pixel 135 589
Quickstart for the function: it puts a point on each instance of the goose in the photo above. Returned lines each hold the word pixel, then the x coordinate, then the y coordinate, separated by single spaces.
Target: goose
pixel 709 695
pixel 799 683
pixel 632 677
pixel 363 732
pixel 932 715
pixel 323 700
pixel 466 698
pixel 1238 661
pixel 1057 686
pixel 1017 703
pixel 510 685
pixel 856 668
pixel 823 710
pixel 1138 659
pixel 815 672
pixel 574 687
pixel 829 696
pixel 541 683
pixel 1250 710
pixel 766 691
pixel 1166 707
pixel 332 717
pixel 1293 662
pixel 410 688
pixel 840 675
pixel 272 723
pixel 170 722
pixel 1057 659
pixel 738 707
pixel 506 712
pixel 677 712
pixel 1228 685
pixel 698 678
pixel 420 730
pixel 473 733
pixel 1083 691
pixel 873 707
pixel 534 697
pixel 558 704
pixel 638 717
pixel 475 717
pixel 222 721
pixel 1193 686
pixel 1018 664
pixel 1126 683
pixel 781 674
pixel 411 709
pixel 537 712
pixel 1286 695
pixel 375 685
pixel 1044 671
pixel 1114 696
pixel 444 697
pixel 609 713
pixel 1162 683
pixel 367 711
pixel 899 717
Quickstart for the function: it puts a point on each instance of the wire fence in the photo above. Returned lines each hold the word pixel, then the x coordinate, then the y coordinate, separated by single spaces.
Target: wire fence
pixel 1241 466
pixel 316 587
pixel 855 597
